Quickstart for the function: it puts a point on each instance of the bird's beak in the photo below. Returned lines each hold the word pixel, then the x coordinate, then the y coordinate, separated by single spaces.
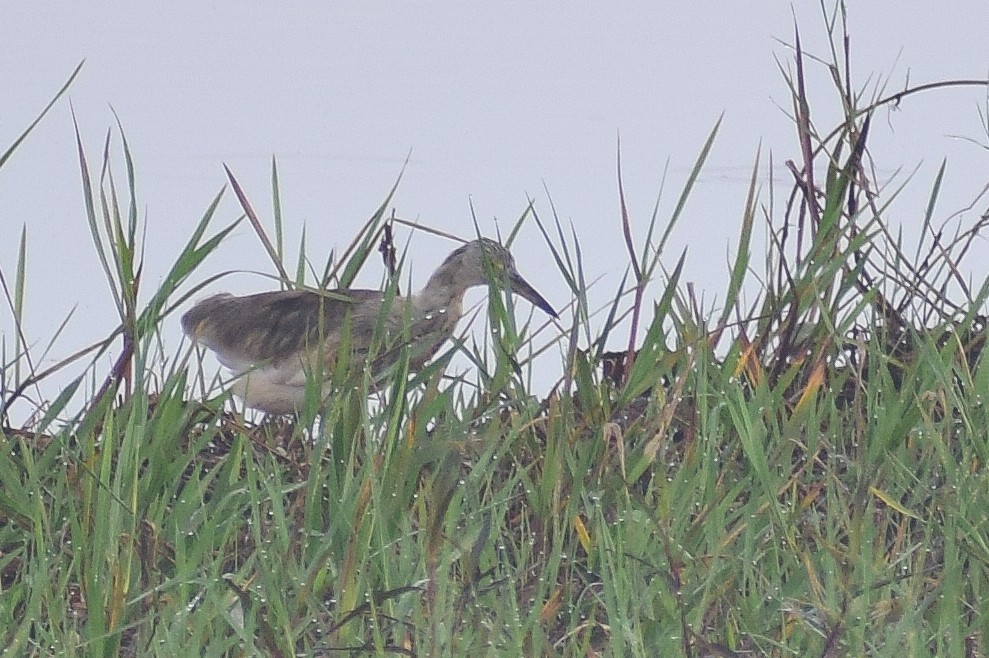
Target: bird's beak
pixel 522 288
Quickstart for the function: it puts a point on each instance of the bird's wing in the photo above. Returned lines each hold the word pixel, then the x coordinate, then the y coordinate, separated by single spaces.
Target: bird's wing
pixel 269 327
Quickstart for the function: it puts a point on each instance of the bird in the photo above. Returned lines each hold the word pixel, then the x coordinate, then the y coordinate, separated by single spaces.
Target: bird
pixel 274 342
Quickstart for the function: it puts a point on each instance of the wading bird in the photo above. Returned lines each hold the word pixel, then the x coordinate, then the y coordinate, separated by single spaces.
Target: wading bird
pixel 274 342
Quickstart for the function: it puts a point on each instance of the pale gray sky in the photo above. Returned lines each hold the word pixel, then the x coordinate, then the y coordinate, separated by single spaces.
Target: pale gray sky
pixel 492 99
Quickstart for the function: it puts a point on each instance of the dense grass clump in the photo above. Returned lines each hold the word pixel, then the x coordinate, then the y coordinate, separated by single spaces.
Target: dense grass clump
pixel 799 474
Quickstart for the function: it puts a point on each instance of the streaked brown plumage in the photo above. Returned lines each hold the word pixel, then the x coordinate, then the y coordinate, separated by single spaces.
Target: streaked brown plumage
pixel 272 340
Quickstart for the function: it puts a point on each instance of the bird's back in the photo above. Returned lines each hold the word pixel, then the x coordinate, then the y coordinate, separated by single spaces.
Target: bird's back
pixel 270 327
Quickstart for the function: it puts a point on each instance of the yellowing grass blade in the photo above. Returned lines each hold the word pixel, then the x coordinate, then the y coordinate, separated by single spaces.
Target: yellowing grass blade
pixel 814 382
pixel 582 535
pixel 883 496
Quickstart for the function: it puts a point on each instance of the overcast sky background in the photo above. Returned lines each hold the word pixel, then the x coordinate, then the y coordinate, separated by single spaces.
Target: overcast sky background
pixel 494 101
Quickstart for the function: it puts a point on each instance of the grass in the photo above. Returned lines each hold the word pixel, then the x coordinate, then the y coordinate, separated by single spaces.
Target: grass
pixel 799 474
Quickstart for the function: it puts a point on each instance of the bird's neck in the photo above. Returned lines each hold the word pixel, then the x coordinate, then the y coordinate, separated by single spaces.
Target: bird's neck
pixel 442 292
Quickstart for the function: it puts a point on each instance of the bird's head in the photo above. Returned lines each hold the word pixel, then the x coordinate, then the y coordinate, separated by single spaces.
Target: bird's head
pixel 484 261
